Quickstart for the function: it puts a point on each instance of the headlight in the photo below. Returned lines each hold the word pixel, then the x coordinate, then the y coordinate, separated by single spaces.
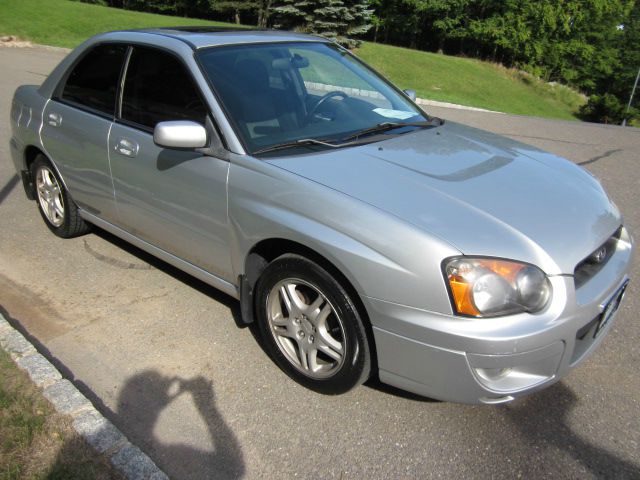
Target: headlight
pixel 487 287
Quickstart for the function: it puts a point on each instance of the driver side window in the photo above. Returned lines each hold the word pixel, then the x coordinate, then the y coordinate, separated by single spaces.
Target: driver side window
pixel 158 88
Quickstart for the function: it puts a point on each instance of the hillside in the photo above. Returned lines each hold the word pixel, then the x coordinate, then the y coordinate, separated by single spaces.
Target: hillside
pixel 437 77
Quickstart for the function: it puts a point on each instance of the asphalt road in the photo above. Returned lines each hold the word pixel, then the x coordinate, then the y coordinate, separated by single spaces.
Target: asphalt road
pixel 161 355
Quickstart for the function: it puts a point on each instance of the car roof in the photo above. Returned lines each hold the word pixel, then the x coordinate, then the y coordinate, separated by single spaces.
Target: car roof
pixel 206 36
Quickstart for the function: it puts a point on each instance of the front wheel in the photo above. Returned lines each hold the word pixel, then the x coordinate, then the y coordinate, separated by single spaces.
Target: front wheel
pixel 311 327
pixel 58 211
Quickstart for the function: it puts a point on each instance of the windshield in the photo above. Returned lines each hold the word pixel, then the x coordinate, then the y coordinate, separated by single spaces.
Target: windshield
pixel 285 92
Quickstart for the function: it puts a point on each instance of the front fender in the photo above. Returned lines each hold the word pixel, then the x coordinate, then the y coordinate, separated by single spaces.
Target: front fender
pixel 382 256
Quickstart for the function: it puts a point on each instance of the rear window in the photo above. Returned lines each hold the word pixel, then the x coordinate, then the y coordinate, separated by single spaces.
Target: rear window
pixel 93 82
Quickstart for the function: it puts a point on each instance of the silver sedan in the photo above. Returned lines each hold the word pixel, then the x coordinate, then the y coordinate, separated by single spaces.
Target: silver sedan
pixel 361 235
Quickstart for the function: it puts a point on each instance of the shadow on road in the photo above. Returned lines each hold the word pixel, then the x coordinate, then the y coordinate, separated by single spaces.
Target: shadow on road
pixel 141 402
pixel 375 384
pixel 542 420
pixel 213 293
pixel 8 188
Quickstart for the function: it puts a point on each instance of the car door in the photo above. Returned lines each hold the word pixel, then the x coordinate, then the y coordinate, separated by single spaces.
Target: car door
pixel 76 123
pixel 173 199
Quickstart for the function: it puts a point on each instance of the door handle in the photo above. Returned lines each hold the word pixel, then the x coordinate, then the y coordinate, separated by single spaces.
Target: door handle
pixel 127 148
pixel 54 119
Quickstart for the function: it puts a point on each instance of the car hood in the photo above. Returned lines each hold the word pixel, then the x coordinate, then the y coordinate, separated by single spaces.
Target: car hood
pixel 482 193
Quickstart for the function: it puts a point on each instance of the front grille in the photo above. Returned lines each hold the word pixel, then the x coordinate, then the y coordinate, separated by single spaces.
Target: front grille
pixel 596 260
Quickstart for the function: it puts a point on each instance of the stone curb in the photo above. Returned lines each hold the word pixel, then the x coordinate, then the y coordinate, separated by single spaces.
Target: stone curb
pixel 435 103
pixel 90 424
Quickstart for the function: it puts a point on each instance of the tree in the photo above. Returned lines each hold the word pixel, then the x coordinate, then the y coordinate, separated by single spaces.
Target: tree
pixel 623 79
pixel 605 108
pixel 233 8
pixel 340 20
pixel 264 13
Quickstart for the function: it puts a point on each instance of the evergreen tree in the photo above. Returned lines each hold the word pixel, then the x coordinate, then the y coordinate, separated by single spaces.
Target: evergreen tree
pixel 340 20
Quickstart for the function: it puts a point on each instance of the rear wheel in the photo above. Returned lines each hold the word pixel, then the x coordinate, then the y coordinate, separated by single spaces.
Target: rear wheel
pixel 311 327
pixel 58 211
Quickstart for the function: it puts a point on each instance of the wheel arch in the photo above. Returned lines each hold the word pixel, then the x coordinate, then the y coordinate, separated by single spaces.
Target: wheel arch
pixel 267 250
pixel 30 154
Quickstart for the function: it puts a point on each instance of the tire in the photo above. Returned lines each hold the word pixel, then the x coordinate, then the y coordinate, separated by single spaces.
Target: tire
pixel 310 326
pixel 56 206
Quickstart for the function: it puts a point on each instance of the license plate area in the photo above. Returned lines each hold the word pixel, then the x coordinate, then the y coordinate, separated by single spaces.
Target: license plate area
pixel 610 308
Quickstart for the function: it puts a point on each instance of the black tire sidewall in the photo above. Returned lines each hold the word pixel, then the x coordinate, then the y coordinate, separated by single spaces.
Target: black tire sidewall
pixel 357 363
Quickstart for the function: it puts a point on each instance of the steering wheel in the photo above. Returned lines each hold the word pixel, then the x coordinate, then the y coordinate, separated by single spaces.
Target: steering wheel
pixel 323 99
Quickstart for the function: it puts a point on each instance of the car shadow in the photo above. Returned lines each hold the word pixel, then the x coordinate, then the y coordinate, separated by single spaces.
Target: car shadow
pixel 375 384
pixel 6 190
pixel 543 421
pixel 231 303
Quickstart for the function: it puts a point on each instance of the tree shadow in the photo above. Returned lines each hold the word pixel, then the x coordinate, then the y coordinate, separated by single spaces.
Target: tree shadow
pixel 542 420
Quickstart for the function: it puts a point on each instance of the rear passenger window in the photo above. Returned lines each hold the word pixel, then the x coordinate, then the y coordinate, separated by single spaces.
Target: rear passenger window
pixel 158 88
pixel 93 82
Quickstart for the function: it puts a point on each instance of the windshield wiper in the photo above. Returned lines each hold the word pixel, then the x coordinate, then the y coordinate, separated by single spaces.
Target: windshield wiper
pixel 384 126
pixel 381 127
pixel 298 143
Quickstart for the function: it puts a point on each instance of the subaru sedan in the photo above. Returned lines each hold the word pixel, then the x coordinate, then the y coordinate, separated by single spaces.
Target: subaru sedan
pixel 362 237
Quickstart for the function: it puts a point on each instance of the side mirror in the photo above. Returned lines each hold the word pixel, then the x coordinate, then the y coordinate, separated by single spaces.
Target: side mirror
pixel 411 94
pixel 180 134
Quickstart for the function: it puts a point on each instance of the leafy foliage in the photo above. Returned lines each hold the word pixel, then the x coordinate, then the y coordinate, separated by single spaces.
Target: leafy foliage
pixel 604 108
pixel 591 45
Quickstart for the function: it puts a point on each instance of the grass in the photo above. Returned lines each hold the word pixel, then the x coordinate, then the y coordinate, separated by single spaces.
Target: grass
pixel 471 82
pixel 35 441
pixel 437 77
pixel 67 24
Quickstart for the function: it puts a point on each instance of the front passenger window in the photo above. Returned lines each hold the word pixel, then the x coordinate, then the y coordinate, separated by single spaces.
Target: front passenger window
pixel 157 88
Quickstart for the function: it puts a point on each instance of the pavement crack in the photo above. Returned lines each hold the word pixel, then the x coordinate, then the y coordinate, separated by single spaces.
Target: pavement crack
pixel 114 261
pixel 146 299
pixel 606 154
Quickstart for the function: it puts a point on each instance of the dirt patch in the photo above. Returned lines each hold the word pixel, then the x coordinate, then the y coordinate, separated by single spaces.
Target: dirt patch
pixel 13 41
pixel 33 312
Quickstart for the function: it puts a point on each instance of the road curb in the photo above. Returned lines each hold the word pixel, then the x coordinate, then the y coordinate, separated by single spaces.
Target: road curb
pixel 436 103
pixel 88 422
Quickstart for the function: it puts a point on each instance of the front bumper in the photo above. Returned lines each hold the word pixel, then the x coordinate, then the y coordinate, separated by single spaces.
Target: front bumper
pixel 496 360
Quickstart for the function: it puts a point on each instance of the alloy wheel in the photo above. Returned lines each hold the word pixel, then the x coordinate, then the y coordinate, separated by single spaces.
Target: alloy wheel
pixel 50 196
pixel 306 328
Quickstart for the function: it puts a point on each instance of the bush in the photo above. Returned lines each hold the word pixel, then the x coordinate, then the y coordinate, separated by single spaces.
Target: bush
pixel 605 108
